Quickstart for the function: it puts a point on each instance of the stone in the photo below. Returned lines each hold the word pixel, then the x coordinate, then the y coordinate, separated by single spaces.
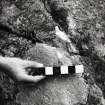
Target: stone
pixel 27 30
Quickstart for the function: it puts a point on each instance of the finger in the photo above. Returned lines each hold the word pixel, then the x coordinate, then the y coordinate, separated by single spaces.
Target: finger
pixel 32 64
pixel 35 79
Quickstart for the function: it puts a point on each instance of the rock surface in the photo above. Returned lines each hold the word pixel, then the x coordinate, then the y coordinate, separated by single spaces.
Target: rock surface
pixel 25 22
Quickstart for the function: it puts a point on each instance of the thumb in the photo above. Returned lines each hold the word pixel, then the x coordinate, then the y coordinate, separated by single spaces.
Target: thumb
pixel 35 79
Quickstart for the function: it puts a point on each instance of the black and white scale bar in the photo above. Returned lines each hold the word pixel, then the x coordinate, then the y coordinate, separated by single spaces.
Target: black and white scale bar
pixel 61 70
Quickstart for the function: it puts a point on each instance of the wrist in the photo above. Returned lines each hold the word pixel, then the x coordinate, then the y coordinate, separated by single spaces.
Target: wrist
pixel 3 66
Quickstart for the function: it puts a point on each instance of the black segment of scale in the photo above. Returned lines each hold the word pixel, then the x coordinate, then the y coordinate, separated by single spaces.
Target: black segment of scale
pixel 56 71
pixel 39 71
pixel 71 69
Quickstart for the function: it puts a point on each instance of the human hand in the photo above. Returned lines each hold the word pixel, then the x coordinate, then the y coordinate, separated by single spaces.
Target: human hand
pixel 17 69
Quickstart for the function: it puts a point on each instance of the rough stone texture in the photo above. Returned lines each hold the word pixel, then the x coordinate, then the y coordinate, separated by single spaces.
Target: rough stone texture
pixel 25 22
pixel 55 91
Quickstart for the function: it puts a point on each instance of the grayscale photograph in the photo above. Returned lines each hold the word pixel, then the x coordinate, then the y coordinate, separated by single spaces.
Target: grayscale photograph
pixel 52 52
